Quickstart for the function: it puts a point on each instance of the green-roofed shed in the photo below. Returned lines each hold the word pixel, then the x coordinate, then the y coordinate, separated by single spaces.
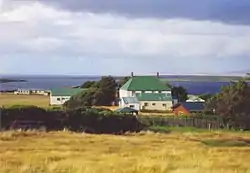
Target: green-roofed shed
pixel 59 96
pixel 145 83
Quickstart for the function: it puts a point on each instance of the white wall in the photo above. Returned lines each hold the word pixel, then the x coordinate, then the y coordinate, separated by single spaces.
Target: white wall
pixel 58 100
pixel 158 105
pixel 125 93
pixel 175 101
pixel 136 106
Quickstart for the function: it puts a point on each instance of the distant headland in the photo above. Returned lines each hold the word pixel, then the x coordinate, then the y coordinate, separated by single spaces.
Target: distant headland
pixel 5 80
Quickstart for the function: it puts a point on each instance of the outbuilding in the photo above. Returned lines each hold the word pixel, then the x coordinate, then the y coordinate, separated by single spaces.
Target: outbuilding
pixel 60 95
pixel 188 108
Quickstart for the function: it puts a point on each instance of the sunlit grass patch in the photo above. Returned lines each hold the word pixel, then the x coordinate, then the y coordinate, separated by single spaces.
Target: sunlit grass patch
pixel 146 152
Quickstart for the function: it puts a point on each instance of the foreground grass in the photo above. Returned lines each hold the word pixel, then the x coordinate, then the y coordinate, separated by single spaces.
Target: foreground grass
pixel 8 100
pixel 67 152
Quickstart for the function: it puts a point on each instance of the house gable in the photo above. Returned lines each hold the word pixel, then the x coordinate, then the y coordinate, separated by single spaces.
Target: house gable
pixel 180 110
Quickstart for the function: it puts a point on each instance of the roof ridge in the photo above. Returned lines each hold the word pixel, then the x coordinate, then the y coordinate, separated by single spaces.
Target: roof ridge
pixel 145 83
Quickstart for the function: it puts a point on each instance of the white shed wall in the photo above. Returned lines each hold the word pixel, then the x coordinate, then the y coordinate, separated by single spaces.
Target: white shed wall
pixel 58 100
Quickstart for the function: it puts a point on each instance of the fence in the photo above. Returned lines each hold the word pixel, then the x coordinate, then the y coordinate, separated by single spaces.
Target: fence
pixel 181 122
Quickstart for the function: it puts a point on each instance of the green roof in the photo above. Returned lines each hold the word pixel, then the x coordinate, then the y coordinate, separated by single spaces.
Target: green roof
pixel 66 91
pixel 130 100
pixel 145 83
pixel 154 97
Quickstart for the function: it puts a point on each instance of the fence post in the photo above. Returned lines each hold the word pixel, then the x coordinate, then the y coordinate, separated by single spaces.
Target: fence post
pixel 209 126
pixel 1 119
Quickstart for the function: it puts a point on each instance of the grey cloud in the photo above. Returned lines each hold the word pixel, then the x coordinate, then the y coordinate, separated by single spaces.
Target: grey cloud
pixel 228 11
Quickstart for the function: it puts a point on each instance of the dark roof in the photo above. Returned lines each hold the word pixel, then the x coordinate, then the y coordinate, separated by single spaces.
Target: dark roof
pixel 145 83
pixel 154 97
pixel 126 110
pixel 66 91
pixel 191 106
pixel 174 97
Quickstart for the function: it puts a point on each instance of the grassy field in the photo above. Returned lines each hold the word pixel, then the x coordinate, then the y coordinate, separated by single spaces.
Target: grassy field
pixel 11 99
pixel 176 152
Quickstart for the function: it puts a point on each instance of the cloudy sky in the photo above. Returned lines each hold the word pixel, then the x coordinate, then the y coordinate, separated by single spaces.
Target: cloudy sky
pixel 100 37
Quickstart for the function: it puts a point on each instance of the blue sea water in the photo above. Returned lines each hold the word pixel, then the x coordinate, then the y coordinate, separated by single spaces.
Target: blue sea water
pixel 48 82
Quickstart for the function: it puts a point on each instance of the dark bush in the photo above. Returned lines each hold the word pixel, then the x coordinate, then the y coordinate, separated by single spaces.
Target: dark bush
pixel 82 119
pixel 93 121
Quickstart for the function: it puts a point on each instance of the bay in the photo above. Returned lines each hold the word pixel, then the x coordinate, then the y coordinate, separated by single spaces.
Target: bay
pixel 49 82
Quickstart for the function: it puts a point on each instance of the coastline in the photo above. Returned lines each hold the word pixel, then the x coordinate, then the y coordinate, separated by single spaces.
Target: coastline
pixel 5 80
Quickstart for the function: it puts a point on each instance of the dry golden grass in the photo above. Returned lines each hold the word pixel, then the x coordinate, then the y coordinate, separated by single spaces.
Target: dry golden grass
pixel 12 99
pixel 65 152
pixel 112 108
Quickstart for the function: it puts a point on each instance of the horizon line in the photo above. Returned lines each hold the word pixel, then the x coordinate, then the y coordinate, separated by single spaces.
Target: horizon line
pixel 140 74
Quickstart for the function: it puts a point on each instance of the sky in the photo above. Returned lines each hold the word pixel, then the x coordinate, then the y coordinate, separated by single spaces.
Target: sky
pixel 117 37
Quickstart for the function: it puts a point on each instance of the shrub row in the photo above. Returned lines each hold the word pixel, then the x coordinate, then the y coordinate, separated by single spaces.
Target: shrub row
pixel 84 119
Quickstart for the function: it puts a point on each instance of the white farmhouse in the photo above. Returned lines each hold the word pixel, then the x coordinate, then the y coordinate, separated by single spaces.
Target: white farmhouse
pixel 137 89
pixel 61 95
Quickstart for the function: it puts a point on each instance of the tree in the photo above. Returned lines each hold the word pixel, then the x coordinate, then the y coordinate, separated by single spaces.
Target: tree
pixel 90 84
pixel 83 99
pixel 102 93
pixel 107 91
pixel 180 93
pixel 232 104
pixel 122 81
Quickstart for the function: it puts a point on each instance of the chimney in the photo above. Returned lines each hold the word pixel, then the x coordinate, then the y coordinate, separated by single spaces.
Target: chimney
pixel 132 74
pixel 158 74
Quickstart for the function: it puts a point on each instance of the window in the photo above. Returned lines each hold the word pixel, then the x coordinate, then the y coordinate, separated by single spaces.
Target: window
pixel 145 104
pixel 58 99
pixel 133 93
pixel 131 106
pixel 153 104
pixel 160 92
pixel 164 105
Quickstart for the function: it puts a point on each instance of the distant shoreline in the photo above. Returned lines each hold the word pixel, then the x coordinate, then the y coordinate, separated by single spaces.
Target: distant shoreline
pixel 11 80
